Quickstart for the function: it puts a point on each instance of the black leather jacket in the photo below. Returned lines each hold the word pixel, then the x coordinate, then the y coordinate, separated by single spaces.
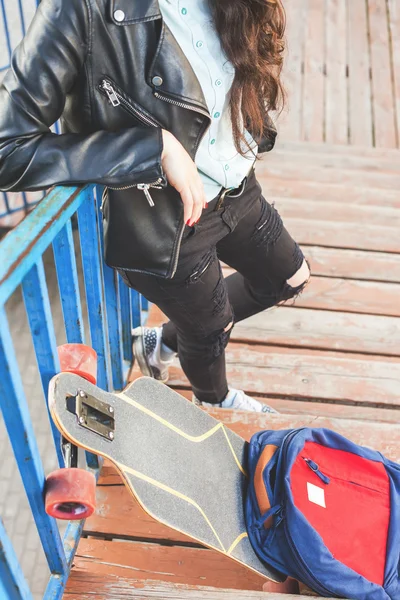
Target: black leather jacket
pixel 114 73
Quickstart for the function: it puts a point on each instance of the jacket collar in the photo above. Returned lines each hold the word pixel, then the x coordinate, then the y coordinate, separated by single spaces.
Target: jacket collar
pixel 134 11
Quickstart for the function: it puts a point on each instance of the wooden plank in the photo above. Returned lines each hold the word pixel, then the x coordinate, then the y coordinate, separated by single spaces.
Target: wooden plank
pixel 382 82
pixel 344 235
pixel 362 216
pixel 314 329
pixel 336 113
pixel 119 516
pixel 309 375
pixel 110 588
pixel 353 264
pixel 139 562
pixel 360 107
pixel 313 80
pixel 383 437
pixel 341 192
pixel 320 409
pixel 302 154
pixel 346 295
pixel 289 123
pixel 311 172
pixel 394 24
pixel 322 330
pixel 353 152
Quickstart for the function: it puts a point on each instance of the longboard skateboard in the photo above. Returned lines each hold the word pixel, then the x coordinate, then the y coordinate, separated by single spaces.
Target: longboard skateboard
pixel 185 468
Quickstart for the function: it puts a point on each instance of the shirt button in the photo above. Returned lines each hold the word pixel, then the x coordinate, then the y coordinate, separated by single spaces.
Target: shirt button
pixel 217 115
pixel 199 44
pixel 184 11
pixel 227 167
pixel 218 83
pixel 157 81
pixel 212 141
pixel 119 16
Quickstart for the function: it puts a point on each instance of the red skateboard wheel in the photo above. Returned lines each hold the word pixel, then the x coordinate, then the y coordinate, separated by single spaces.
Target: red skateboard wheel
pixel 70 494
pixel 79 359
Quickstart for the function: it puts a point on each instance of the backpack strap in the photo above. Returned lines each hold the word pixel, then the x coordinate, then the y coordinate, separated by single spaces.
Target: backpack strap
pixel 264 503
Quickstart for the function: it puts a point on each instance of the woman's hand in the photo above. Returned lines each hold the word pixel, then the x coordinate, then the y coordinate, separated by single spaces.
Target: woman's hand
pixel 182 174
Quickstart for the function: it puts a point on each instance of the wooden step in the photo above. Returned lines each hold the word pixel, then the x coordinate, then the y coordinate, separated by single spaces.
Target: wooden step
pixel 309 375
pixel 109 587
pixel 138 562
pixel 325 176
pixel 294 326
pixel 357 193
pixel 323 330
pixel 337 213
pixel 328 156
pixel 343 235
pixel 347 295
pixel 353 264
pixel 361 155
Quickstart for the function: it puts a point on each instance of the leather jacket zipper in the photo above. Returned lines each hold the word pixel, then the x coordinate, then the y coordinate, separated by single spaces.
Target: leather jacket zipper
pixel 144 187
pixel 206 114
pixel 182 104
pixel 188 107
pixel 118 98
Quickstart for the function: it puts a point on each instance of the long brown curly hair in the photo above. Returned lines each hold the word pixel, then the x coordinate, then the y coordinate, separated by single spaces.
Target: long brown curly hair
pixel 252 36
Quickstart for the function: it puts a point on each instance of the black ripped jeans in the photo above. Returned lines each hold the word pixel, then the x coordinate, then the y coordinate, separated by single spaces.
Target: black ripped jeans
pixel 247 234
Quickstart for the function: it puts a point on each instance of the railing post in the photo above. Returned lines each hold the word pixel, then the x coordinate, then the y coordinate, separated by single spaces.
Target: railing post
pixel 19 426
pixel 111 297
pixel 38 310
pixel 88 233
pixel 12 581
pixel 68 284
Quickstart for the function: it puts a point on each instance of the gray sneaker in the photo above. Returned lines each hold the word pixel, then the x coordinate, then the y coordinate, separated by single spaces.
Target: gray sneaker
pixel 147 350
pixel 238 400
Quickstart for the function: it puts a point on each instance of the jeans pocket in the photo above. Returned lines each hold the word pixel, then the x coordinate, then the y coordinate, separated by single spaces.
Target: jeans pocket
pixel 190 232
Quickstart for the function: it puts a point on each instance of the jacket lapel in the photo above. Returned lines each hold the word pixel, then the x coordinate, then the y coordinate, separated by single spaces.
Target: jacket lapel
pixel 170 63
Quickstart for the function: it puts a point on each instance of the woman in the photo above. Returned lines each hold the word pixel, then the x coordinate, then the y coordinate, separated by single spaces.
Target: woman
pixel 166 103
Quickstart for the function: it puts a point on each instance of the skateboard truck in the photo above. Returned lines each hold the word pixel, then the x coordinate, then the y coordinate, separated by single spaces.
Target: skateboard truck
pixel 93 414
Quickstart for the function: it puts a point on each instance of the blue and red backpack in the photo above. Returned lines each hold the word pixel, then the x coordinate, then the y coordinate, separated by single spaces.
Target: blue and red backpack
pixel 326 512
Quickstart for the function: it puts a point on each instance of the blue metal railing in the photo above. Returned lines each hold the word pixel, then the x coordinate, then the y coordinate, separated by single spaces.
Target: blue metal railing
pixel 112 309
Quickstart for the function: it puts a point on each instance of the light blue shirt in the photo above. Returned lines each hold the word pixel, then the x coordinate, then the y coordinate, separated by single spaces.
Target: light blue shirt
pixel 217 160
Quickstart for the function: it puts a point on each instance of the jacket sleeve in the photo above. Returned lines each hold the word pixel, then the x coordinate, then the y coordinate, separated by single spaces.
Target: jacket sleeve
pixel 33 93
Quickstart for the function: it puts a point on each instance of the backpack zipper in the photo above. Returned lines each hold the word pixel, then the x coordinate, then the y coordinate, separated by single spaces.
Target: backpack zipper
pixel 311 580
pixel 315 468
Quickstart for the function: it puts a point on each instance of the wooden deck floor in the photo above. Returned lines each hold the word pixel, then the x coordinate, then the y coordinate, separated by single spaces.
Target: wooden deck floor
pixel 332 358
pixel 343 72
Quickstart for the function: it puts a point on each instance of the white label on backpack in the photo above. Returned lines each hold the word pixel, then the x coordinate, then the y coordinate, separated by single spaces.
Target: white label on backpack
pixel 316 494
